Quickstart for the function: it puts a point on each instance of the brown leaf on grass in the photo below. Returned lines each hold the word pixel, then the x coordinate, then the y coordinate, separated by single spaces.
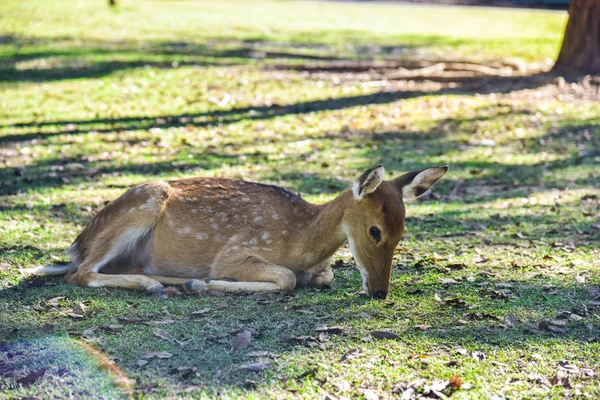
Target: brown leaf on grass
pixel 332 330
pixel 156 354
pixel 171 291
pixel 260 354
pixel 352 354
pixel 594 293
pixel 384 335
pixel 32 377
pixel 242 340
pixel 455 302
pixel 553 325
pixel 511 320
pixel 258 296
pixel 448 281
pixel 161 333
pixel 54 302
pixel 80 308
pixel 255 367
pixel 46 328
pixel 561 379
pixel 455 382
pixel 143 360
pixel 423 327
pixel 570 368
pixel 184 372
pixel 456 266
pixel 201 311
pixel 369 394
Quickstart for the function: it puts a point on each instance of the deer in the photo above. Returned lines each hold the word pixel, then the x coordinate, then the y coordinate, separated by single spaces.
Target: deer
pixel 215 234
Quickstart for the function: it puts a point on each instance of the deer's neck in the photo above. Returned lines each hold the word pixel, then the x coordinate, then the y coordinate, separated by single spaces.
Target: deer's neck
pixel 325 234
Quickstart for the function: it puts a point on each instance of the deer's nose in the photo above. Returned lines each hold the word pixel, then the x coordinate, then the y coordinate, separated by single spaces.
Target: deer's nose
pixel 380 294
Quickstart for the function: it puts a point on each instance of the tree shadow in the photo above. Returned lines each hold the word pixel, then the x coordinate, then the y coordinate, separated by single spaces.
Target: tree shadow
pixel 286 325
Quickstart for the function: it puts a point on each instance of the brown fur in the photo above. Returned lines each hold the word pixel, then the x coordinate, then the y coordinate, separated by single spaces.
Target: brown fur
pixel 242 236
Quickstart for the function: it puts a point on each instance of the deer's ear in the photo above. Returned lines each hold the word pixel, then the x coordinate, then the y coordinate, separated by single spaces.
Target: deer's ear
pixel 415 184
pixel 368 182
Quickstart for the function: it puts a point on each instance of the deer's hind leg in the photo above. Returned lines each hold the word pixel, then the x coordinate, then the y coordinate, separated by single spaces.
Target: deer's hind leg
pixel 117 241
pixel 246 272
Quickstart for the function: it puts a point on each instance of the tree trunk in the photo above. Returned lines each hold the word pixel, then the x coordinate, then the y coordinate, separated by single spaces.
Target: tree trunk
pixel 112 2
pixel 580 51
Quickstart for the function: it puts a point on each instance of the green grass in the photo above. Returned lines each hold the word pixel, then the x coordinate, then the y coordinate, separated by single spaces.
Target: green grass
pixel 93 100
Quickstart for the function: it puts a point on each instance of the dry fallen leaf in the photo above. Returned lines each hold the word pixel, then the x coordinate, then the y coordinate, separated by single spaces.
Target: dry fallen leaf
pixel 561 379
pixel 201 311
pixel 171 291
pixel 511 320
pixel 80 308
pixel 448 281
pixel 553 325
pixel 161 333
pixel 384 335
pixel 329 329
pixel 455 382
pixel 423 327
pixel 242 340
pixel 256 366
pixel 369 394
pixel 54 302
pixel 156 354
pixel 32 377
pixel 594 293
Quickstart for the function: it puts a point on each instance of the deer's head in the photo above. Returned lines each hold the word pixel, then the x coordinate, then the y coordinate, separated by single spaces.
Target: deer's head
pixel 374 222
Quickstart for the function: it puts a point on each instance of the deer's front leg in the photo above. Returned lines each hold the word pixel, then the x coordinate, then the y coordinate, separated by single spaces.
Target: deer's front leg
pixel 246 273
pixel 322 279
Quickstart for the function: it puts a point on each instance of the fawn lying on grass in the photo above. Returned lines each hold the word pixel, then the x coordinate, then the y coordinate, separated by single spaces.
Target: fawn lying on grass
pixel 219 234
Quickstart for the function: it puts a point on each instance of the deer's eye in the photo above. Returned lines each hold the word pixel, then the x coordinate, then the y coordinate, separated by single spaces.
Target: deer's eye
pixel 375 233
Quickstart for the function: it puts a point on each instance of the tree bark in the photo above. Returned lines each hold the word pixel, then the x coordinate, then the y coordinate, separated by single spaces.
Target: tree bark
pixel 112 2
pixel 580 51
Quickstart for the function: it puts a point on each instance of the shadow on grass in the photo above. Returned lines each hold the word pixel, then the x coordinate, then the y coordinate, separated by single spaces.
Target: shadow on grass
pixel 286 325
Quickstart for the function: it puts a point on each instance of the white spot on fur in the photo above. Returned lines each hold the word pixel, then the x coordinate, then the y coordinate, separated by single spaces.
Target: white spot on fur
pixel 275 216
pixel 285 233
pixel 253 242
pixel 148 205
pixel 235 247
pixel 258 219
pixel 132 209
pixel 201 236
pixel 264 236
pixel 215 226
pixel 185 230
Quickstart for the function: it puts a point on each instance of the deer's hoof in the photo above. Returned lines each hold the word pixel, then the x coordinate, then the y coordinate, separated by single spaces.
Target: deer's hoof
pixel 196 285
pixel 155 288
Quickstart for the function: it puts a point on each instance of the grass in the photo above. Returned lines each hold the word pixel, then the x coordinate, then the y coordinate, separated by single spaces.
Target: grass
pixel 94 100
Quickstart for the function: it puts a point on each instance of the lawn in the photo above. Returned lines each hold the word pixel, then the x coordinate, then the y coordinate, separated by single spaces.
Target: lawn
pixel 495 288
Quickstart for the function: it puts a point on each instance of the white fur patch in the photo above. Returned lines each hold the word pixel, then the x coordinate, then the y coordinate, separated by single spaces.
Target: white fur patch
pixel 126 240
pixel 148 205
pixel 363 272
pixel 184 231
pixel 201 236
